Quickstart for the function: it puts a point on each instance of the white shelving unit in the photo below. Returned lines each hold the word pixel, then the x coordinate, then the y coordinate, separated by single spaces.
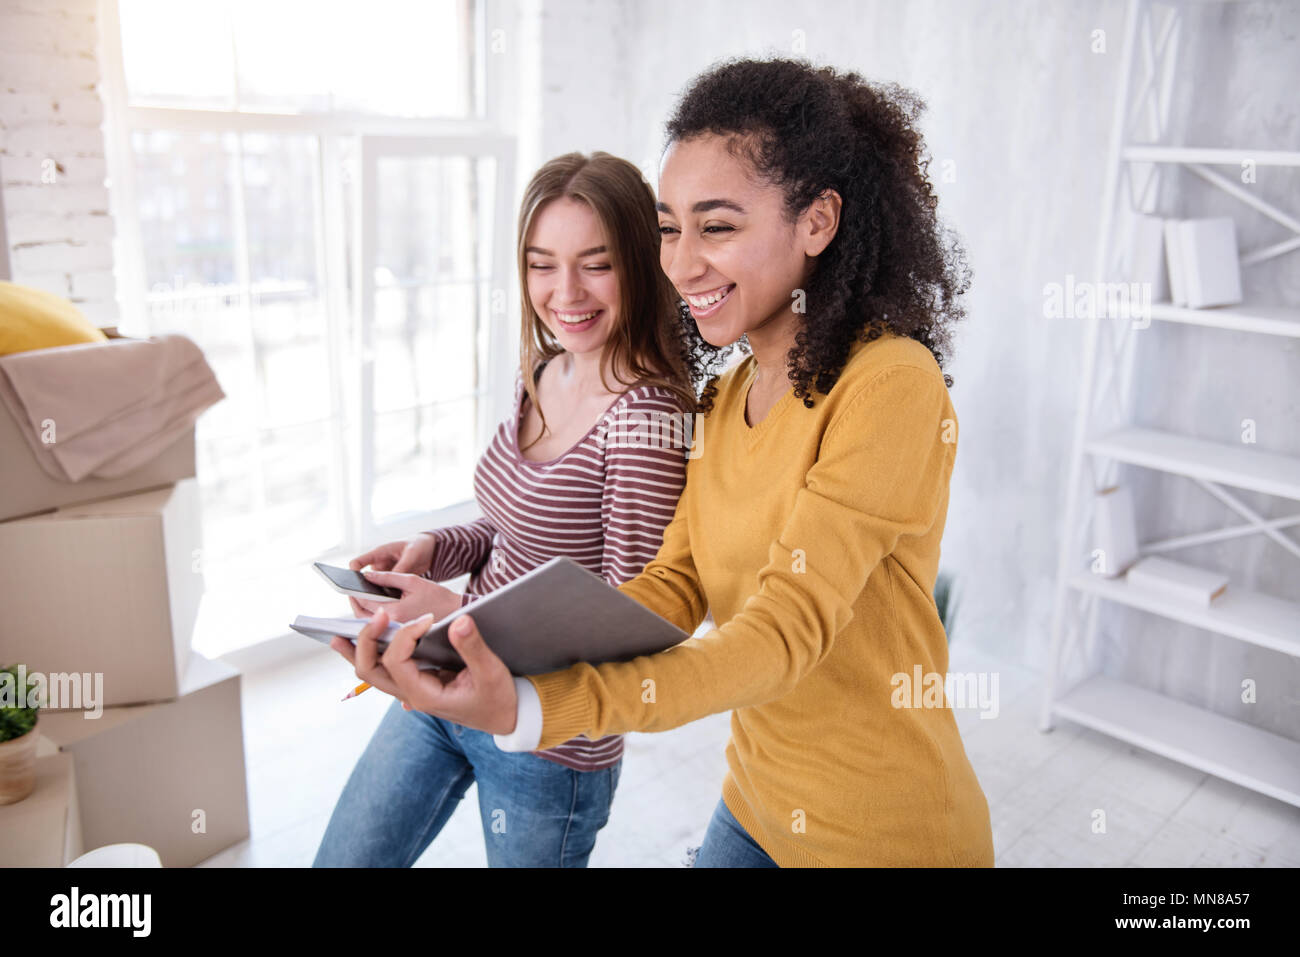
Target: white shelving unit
pixel 1239 752
pixel 1104 440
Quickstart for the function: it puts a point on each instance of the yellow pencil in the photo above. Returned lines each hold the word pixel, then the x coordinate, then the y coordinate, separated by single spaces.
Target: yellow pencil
pixel 355 691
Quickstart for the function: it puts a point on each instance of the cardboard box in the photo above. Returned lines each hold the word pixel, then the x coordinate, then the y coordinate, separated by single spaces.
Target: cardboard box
pixel 27 489
pixel 44 829
pixel 170 776
pixel 106 588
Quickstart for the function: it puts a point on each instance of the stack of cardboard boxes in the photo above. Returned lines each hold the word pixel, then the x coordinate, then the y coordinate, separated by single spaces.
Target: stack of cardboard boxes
pixel 100 583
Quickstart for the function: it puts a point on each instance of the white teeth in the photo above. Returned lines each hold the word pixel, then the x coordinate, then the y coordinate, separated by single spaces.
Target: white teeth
pixel 575 320
pixel 700 302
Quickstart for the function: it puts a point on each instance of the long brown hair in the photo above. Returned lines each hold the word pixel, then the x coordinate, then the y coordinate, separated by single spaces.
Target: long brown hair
pixel 647 339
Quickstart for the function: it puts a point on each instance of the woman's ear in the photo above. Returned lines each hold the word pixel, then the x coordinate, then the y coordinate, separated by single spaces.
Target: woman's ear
pixel 821 221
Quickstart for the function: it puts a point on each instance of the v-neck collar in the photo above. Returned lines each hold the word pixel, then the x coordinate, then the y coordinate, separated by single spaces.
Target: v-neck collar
pixel 752 433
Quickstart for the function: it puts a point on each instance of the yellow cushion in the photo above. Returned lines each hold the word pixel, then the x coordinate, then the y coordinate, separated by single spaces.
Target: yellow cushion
pixel 36 319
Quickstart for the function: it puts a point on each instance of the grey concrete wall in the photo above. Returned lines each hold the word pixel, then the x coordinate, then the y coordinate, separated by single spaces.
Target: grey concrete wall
pixel 1021 104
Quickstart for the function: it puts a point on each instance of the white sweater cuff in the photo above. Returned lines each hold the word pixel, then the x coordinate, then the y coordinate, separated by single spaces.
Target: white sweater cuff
pixel 528 720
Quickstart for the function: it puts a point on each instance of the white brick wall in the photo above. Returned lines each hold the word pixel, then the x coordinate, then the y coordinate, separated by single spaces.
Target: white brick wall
pixel 52 167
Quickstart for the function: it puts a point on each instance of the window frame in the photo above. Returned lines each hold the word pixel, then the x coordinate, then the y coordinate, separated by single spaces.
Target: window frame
pixel 484 134
pixel 490 408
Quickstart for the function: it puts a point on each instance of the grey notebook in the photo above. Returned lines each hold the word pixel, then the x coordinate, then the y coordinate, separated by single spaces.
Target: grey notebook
pixel 554 616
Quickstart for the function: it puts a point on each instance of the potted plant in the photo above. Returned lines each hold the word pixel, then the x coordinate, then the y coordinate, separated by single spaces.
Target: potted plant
pixel 18 708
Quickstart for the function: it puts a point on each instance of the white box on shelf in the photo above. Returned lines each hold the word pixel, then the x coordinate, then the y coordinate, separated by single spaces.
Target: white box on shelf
pixel 1211 270
pixel 1184 582
pixel 1147 258
pixel 1114 532
pixel 1174 262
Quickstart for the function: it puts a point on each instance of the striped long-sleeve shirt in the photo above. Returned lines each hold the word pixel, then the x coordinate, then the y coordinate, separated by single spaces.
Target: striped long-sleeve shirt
pixel 604 503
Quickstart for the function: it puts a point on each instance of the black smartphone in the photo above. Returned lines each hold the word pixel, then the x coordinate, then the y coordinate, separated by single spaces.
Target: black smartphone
pixel 348 582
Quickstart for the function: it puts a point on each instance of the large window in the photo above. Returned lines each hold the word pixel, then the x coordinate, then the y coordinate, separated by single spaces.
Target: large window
pixel 315 194
pixel 412 58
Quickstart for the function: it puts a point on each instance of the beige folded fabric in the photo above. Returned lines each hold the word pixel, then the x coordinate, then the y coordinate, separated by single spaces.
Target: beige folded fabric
pixel 109 407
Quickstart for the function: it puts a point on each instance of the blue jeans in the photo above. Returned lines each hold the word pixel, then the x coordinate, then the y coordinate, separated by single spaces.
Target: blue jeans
pixel 417 767
pixel 727 844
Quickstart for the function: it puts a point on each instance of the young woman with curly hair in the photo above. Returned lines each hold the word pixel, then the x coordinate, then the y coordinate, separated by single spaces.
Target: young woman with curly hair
pixel 796 216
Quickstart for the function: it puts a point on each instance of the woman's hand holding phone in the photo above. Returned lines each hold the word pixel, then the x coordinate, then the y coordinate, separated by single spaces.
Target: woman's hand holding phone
pixel 419 596
pixel 413 556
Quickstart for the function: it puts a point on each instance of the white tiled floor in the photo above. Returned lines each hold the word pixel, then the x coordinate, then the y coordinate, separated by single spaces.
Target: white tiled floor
pixel 1045 791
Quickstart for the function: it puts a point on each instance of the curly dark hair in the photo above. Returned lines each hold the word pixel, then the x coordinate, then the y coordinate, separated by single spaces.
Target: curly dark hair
pixel 891 265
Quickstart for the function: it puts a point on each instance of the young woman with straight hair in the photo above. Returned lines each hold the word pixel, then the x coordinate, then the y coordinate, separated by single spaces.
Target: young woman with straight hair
pixel 601 352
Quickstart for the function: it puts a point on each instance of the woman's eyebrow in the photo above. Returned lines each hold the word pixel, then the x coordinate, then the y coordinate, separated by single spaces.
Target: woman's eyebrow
pixel 593 251
pixel 704 206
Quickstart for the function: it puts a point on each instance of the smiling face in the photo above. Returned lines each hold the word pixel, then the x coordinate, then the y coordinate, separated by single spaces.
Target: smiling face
pixel 571 280
pixel 726 243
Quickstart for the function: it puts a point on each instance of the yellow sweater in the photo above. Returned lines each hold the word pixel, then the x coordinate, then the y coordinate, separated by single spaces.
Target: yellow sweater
pixel 814 539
